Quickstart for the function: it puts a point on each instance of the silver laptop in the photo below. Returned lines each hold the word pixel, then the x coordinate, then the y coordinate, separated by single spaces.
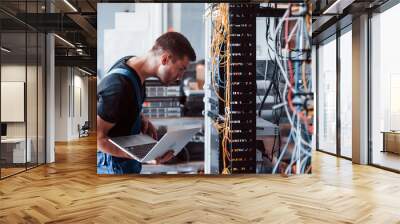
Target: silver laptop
pixel 143 148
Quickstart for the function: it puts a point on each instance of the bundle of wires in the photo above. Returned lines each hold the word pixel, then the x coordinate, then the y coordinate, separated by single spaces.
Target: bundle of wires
pixel 288 55
pixel 220 58
pixel 291 100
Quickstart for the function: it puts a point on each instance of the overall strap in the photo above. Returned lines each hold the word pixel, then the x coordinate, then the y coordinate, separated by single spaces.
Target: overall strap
pixel 135 82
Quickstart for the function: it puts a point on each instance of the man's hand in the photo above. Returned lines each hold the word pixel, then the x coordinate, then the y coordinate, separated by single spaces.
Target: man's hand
pixel 163 159
pixel 148 128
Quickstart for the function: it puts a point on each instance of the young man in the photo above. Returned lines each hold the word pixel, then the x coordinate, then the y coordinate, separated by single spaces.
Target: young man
pixel 121 93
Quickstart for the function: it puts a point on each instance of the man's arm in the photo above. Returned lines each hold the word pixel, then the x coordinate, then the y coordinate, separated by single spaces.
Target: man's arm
pixel 103 127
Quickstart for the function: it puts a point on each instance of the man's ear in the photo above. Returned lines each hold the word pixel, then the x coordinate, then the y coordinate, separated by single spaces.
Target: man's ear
pixel 164 58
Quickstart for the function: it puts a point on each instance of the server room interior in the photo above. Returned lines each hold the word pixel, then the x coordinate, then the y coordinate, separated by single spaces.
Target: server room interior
pixel 183 101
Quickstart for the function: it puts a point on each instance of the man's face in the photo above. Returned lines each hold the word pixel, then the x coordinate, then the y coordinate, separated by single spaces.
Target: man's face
pixel 172 70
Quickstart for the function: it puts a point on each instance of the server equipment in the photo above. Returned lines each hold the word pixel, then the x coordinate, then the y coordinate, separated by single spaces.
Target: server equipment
pixel 162 101
pixel 239 88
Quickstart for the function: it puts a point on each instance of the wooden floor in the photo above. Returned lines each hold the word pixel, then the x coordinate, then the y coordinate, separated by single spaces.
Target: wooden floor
pixel 10 171
pixel 386 159
pixel 69 191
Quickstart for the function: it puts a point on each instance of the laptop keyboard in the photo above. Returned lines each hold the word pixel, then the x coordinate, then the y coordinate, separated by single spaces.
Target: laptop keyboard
pixel 140 151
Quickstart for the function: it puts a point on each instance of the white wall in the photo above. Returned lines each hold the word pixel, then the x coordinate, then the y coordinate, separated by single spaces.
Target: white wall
pixel 71 93
pixel 192 25
pixel 126 29
pixel 80 94
pixel 106 20
pixel 61 103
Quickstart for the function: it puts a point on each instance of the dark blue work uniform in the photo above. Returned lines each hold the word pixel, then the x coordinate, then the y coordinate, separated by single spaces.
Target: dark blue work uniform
pixel 120 96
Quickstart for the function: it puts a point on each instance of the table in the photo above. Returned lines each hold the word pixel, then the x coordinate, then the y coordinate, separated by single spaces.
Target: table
pixel 13 150
pixel 391 141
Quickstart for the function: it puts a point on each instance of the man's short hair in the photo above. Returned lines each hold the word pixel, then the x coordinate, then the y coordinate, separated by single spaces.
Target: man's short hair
pixel 176 44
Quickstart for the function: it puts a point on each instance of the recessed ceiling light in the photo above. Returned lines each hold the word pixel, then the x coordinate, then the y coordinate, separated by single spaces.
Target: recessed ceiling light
pixel 64 40
pixel 70 5
pixel 84 71
pixel 5 49
pixel 338 6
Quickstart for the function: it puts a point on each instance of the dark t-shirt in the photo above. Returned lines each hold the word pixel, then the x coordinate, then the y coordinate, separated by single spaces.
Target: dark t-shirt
pixel 117 101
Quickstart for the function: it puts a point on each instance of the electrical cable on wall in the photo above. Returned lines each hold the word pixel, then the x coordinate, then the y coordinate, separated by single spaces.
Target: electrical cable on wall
pixel 293 31
pixel 220 58
pixel 288 47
